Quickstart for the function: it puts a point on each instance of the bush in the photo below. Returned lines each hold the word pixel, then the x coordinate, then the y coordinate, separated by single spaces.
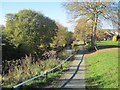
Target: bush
pixel 114 38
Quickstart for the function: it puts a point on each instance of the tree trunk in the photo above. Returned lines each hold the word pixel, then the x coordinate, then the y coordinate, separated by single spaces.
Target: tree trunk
pixel 94 32
pixel 84 42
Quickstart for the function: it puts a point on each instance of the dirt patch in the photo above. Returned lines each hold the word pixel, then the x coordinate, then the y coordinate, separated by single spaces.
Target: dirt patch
pixel 108 50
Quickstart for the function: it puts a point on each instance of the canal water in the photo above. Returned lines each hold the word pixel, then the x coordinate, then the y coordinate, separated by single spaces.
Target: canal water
pixel 65 53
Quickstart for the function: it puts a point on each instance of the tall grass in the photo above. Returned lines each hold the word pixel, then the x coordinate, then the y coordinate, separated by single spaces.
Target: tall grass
pixel 29 70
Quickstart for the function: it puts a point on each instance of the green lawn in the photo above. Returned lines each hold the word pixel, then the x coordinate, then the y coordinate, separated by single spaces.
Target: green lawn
pixel 101 67
pixel 108 42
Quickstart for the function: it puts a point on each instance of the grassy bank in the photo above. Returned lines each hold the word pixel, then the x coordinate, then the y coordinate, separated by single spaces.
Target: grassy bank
pixel 101 67
pixel 51 79
pixel 29 70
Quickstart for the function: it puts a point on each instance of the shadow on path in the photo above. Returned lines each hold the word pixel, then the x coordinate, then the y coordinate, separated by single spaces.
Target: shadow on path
pixel 68 80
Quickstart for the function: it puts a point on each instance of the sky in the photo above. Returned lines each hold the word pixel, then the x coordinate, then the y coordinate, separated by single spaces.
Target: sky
pixel 52 9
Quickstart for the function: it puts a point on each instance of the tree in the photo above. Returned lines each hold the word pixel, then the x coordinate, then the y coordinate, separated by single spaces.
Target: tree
pixel 93 11
pixel 63 37
pixel 100 34
pixel 83 30
pixel 69 36
pixel 30 30
pixel 60 37
pixel 2 27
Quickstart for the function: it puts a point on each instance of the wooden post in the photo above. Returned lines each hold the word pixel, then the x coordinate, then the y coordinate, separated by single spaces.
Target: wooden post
pixel 95 48
pixel 51 71
pixel 61 67
pixel 46 74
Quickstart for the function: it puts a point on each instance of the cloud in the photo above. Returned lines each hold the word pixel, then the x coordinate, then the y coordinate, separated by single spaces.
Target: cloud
pixel 2 21
pixel 68 25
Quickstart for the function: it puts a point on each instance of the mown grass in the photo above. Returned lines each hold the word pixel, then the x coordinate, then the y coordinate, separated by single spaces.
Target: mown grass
pixel 103 44
pixel 101 67
pixel 108 42
pixel 86 46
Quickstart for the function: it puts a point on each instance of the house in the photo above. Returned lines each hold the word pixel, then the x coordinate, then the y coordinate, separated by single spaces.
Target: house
pixel 108 34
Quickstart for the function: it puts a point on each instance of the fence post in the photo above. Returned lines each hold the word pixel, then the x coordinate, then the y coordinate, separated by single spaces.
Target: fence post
pixel 61 67
pixel 46 74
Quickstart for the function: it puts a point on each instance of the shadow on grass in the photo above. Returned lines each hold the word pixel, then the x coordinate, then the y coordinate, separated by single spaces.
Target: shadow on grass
pixel 94 80
pixel 97 83
pixel 88 51
pixel 107 46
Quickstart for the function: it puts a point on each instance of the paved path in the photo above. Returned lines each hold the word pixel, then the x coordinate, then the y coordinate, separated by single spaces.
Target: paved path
pixel 75 76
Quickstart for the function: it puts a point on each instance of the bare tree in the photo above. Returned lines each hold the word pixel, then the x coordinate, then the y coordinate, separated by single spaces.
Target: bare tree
pixel 93 10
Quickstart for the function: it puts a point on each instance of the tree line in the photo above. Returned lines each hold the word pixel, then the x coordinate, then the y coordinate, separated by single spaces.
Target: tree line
pixel 30 32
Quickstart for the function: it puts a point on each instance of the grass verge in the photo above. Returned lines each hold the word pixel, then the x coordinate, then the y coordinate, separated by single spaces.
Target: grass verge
pixel 108 42
pixel 101 68
pixel 103 43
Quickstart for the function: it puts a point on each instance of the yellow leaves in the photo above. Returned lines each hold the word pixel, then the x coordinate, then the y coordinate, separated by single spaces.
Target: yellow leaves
pixel 31 29
pixel 114 38
pixel 83 29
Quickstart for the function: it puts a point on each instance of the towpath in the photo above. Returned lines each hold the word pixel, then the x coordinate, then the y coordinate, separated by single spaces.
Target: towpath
pixel 74 77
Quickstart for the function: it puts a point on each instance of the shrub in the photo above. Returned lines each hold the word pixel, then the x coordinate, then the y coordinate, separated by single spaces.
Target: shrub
pixel 114 38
